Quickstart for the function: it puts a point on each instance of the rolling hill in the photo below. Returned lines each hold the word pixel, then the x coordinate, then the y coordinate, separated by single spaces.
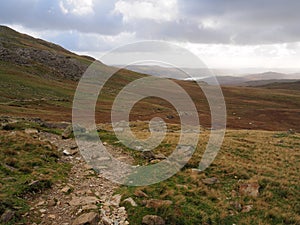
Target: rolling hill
pixel 38 79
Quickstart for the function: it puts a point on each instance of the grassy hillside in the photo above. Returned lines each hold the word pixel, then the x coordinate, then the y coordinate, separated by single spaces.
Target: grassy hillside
pixel 268 159
pixel 27 167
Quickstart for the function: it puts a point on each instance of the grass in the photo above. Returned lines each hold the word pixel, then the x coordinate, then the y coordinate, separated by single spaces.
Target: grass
pixel 245 156
pixel 27 167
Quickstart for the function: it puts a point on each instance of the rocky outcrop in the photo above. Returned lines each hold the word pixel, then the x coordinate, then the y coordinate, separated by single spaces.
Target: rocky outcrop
pixel 56 62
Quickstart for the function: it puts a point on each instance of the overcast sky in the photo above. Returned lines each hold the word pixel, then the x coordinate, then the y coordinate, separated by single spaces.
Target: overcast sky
pixel 223 33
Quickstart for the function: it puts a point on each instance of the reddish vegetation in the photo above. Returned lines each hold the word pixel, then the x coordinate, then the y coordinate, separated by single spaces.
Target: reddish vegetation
pixel 247 108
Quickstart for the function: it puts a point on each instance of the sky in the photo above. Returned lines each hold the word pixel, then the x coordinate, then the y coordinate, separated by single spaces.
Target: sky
pixel 223 33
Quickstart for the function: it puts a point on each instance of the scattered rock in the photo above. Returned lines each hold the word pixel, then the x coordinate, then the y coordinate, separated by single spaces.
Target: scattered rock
pixel 88 167
pixel 130 201
pixel 106 221
pixel 160 156
pixel 67 132
pixel 66 190
pixel 233 193
pixel 43 211
pixel 80 201
pixel 291 131
pixel 170 117
pixel 141 194
pixel 7 216
pixel 155 161
pixel 249 189
pixel 89 207
pixel 237 205
pixel 101 159
pixel 195 171
pixel 153 220
pixel 31 131
pixel 148 155
pixel 182 186
pixel 210 181
pixel 115 200
pixel 70 152
pixel 156 203
pixel 247 208
pixel 40 203
pixel 52 217
pixel 91 218
pixel 52 202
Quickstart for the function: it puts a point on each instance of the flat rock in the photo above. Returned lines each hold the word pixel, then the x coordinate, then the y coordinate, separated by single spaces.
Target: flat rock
pixel 210 181
pixel 91 218
pixel 153 220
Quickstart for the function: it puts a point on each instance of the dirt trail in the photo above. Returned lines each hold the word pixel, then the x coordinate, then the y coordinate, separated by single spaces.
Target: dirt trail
pixel 84 192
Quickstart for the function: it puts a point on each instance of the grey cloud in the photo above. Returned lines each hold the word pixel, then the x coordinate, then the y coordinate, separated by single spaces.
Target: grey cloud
pixel 43 14
pixel 238 22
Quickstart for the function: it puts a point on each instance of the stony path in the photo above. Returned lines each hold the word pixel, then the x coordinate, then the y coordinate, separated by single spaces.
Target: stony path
pixel 85 198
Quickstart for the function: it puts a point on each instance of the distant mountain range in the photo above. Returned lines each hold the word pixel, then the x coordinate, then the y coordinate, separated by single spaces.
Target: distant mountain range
pixel 206 75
